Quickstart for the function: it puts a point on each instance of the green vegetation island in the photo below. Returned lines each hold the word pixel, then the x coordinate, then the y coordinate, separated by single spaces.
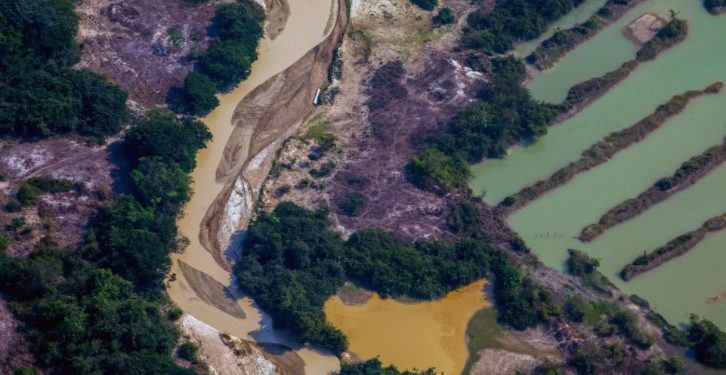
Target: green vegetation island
pixel 561 42
pixel 674 248
pixel 687 174
pixel 605 149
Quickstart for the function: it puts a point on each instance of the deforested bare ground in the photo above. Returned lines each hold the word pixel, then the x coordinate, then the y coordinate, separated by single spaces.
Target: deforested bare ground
pixel 378 126
pixel 63 217
pixel 133 43
pixel 14 350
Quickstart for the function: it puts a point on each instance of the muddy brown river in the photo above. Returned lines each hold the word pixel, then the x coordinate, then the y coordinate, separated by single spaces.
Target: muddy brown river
pixel 306 27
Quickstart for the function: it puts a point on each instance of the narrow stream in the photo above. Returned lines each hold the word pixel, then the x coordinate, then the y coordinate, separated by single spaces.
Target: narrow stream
pixel 305 28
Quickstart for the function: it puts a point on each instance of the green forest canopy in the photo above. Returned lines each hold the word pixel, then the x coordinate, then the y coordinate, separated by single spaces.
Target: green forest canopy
pixel 100 308
pixel 238 29
pixel 41 93
pixel 511 21
pixel 293 262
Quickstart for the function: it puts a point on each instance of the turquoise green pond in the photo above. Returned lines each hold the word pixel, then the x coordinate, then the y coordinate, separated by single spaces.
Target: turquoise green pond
pixel 577 16
pixel 550 224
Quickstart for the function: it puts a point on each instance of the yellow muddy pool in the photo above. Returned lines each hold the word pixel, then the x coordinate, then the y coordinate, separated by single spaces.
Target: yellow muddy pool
pixel 411 335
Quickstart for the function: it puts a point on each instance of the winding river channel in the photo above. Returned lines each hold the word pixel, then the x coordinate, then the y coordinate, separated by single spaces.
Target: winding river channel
pixel 305 28
pixel 433 333
pixel 549 225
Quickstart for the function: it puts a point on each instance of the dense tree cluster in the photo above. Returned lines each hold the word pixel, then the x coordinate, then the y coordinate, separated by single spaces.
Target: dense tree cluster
pixel 714 6
pixel 464 219
pixel 585 267
pixel 239 28
pixel 506 114
pixel 709 342
pixel 199 94
pixel 41 94
pixel 445 16
pixel 375 367
pixel 293 262
pixel 521 303
pixel 426 270
pixel 99 308
pixel 434 170
pixel 673 32
pixel 228 60
pixel 510 21
pixel 290 266
pixel 606 319
pixel 425 4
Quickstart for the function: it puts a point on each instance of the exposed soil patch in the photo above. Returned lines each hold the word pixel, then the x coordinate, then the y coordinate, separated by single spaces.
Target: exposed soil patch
pixel 644 28
pixel 224 354
pixel 502 362
pixel 14 350
pixel 353 295
pixel 403 109
pixel 211 291
pixel 144 46
pixel 62 216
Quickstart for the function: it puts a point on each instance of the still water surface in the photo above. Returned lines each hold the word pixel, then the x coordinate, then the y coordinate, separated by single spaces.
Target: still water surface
pixel 550 224
pixel 411 335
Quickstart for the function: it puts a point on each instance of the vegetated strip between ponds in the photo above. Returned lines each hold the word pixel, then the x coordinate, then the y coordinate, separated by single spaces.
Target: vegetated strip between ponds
pixel 674 248
pixel 550 51
pixel 605 149
pixel 585 92
pixel 686 175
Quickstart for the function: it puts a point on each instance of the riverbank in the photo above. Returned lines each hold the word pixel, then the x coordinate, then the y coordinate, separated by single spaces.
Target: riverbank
pixel 674 248
pixel 605 149
pixel 297 49
pixel 268 115
pixel 558 45
pixel 689 173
